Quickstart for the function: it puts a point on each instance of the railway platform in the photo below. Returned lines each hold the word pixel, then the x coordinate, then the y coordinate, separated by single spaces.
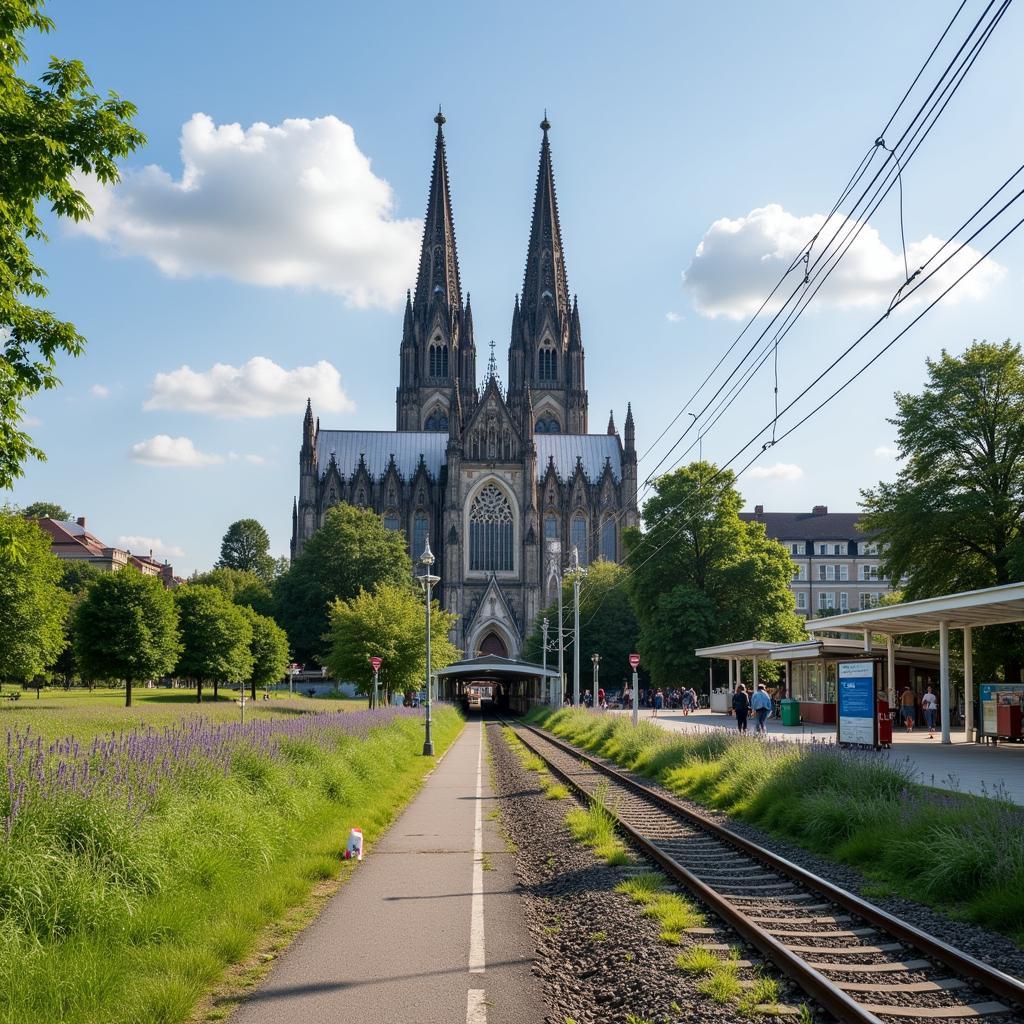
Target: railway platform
pixel 428 929
pixel 982 769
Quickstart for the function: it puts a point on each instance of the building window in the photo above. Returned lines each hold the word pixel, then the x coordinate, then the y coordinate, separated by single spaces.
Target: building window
pixel 391 521
pixel 578 537
pixel 419 535
pixel 837 549
pixel 868 547
pixel 826 600
pixel 438 360
pixel 800 572
pixel 438 420
pixel 869 573
pixel 844 573
pixel 551 527
pixel 870 600
pixel 797 549
pixel 608 548
pixel 821 572
pixel 547 364
pixel 844 601
pixel 490 531
pixel 801 601
pixel 830 572
pixel 822 549
pixel 547 425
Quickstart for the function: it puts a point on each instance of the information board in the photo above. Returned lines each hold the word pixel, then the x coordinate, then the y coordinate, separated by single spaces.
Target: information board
pixel 856 721
pixel 987 695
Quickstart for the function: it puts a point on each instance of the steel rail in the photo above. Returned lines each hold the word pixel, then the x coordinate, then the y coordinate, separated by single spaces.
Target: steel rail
pixel 815 983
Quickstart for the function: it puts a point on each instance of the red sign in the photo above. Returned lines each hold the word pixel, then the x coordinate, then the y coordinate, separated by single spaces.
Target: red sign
pixel 634 660
pixel 376 663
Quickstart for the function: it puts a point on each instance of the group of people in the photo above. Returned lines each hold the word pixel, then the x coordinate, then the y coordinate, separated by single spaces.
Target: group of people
pixel 759 701
pixel 929 705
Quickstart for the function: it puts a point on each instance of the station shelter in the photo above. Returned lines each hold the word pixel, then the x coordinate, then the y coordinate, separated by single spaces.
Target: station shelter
pixel 514 686
pixel 811 668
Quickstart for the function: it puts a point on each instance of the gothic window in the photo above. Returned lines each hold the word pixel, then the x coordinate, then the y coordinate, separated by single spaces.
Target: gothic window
pixel 551 527
pixel 438 359
pixel 547 425
pixel 438 420
pixel 391 521
pixel 361 499
pixel 547 364
pixel 419 535
pixel 608 540
pixel 578 537
pixel 490 531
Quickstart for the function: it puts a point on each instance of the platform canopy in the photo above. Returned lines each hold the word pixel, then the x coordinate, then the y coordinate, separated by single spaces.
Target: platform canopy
pixel 492 666
pixel 990 607
pixel 740 649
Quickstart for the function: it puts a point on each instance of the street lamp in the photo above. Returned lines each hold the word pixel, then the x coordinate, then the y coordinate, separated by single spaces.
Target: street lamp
pixel 596 660
pixel 427 582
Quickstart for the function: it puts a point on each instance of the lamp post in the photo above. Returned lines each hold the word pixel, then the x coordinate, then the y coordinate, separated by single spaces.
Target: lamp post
pixel 577 574
pixel 596 661
pixel 544 656
pixel 427 581
pixel 555 570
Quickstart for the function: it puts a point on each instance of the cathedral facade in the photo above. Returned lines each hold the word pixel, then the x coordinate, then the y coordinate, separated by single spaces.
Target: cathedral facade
pixel 490 475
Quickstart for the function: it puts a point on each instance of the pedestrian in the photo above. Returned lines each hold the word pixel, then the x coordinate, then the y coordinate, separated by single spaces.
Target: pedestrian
pixel 659 701
pixel 601 702
pixel 929 703
pixel 694 700
pixel 741 706
pixel 761 704
pixel 687 702
pixel 907 708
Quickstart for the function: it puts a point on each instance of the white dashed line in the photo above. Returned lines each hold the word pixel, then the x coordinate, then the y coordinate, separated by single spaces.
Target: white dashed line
pixel 476 1007
pixel 477 961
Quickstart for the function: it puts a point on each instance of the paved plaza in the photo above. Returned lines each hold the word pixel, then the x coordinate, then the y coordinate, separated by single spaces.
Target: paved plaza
pixel 969 767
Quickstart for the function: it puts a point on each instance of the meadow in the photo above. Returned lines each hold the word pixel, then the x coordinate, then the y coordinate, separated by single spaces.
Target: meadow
pixel 145 850
pixel 963 854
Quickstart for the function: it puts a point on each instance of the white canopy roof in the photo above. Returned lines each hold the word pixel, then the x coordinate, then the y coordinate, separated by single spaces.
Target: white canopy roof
pixel 740 649
pixel 988 607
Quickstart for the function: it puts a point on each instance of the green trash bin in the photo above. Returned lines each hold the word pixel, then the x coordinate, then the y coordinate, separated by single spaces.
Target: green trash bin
pixel 790 712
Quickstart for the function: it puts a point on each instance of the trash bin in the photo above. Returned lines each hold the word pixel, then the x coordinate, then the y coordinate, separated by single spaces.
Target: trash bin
pixel 790 712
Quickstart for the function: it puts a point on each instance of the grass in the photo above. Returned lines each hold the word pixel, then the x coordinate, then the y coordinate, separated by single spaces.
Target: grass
pixel 852 807
pixel 594 826
pixel 111 915
pixel 532 763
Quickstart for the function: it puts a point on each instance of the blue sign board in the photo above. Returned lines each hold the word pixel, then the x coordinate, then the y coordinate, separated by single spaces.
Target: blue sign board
pixel 856 721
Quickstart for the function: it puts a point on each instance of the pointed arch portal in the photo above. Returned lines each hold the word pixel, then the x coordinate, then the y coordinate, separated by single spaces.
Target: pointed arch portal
pixel 493 644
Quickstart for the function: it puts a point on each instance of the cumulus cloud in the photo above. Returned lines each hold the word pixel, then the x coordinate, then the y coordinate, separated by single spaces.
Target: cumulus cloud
pixel 154 544
pixel 258 388
pixel 673 317
pixel 163 450
pixel 780 471
pixel 255 460
pixel 740 260
pixel 884 451
pixel 289 205
pixel 99 391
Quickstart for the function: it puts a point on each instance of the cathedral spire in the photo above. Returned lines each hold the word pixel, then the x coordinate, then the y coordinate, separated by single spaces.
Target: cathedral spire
pixel 308 430
pixel 611 422
pixel 439 262
pixel 630 429
pixel 545 282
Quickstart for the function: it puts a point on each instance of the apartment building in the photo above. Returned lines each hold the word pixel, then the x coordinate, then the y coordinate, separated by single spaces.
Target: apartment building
pixel 837 568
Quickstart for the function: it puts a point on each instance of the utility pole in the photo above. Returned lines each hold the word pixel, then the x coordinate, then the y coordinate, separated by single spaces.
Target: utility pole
pixel 544 656
pixel 555 570
pixel 574 568
pixel 596 661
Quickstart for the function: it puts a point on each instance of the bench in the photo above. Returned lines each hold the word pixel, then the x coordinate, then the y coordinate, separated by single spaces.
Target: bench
pixel 14 696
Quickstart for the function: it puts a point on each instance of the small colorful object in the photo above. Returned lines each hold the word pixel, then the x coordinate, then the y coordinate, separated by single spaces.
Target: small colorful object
pixel 354 850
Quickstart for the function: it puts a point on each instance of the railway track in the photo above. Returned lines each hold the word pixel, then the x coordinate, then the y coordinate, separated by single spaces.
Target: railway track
pixel 859 962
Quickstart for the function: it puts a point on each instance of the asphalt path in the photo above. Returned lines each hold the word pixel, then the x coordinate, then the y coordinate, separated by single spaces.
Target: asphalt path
pixel 428 930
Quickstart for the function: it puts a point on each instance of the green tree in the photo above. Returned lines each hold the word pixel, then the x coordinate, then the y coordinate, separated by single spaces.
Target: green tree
pixel 48 134
pixel 216 638
pixel 352 551
pixel 33 606
pixel 246 546
pixel 126 627
pixel 702 576
pixel 75 578
pixel 239 586
pixel 269 650
pixel 608 627
pixel 45 510
pixel 389 623
pixel 953 519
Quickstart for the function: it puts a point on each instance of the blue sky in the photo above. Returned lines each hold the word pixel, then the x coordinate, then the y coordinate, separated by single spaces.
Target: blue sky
pixel 672 124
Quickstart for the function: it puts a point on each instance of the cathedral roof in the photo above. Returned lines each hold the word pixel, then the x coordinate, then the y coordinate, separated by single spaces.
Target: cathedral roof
pixel 377 446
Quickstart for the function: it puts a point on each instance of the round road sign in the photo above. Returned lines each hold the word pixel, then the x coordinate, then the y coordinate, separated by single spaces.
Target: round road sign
pixel 634 660
pixel 376 663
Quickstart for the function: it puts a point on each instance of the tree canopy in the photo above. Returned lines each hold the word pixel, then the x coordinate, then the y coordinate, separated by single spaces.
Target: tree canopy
pixel 216 638
pixel 51 132
pixel 389 623
pixel 268 648
pixel 46 510
pixel 246 546
pixel 700 575
pixel 33 605
pixel 240 586
pixel 76 575
pixel 352 551
pixel 953 519
pixel 608 627
pixel 126 627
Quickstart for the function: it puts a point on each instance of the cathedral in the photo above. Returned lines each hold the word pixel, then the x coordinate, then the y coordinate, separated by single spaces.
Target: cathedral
pixel 491 475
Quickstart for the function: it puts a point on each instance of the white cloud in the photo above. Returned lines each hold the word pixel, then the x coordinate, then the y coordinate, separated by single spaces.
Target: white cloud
pixel 288 205
pixel 140 545
pixel 884 451
pixel 780 471
pixel 673 317
pixel 163 450
pixel 255 460
pixel 31 421
pixel 99 391
pixel 739 261
pixel 258 388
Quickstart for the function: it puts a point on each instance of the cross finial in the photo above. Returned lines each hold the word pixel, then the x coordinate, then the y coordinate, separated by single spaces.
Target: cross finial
pixel 492 363
pixel 545 124
pixel 439 119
